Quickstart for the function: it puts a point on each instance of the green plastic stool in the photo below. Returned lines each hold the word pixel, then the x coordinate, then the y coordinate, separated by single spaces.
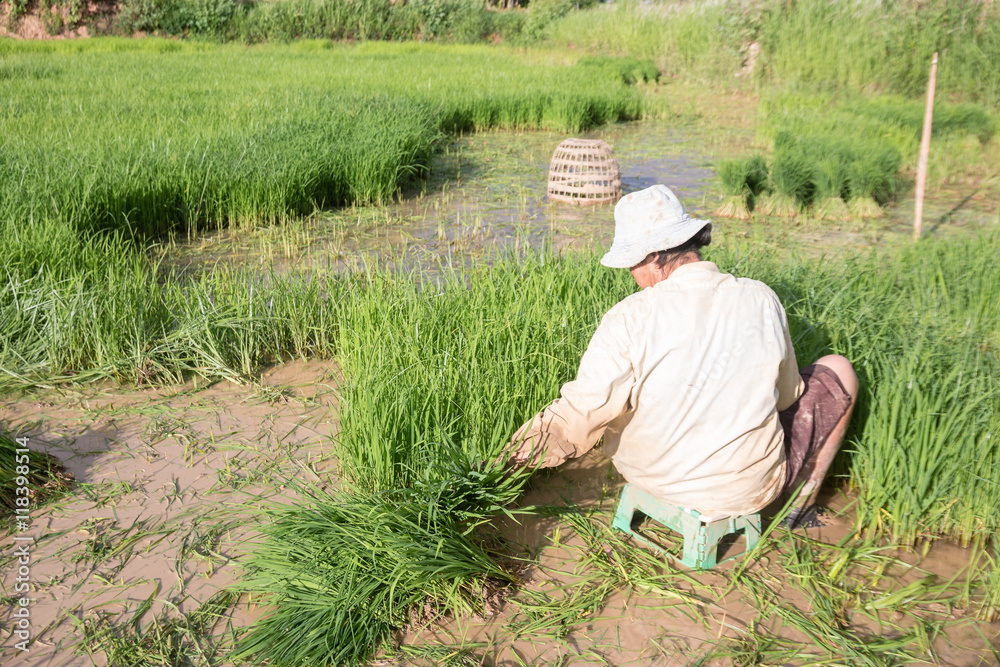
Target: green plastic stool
pixel 701 533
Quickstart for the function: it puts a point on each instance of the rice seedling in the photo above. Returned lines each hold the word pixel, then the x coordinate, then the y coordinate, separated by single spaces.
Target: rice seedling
pixel 744 181
pixel 871 180
pixel 321 128
pixel 830 176
pixel 792 181
pixel 345 571
pixel 463 655
pixel 176 639
pixel 542 617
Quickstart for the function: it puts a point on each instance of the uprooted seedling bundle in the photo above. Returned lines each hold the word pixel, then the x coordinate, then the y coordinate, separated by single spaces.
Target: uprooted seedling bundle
pixel 744 181
pixel 833 176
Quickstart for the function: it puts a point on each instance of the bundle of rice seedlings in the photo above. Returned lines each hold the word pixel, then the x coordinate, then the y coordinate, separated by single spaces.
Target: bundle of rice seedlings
pixel 343 572
pixel 744 181
pixel 871 180
pixel 831 183
pixel 733 174
pixel 757 179
pixel 792 181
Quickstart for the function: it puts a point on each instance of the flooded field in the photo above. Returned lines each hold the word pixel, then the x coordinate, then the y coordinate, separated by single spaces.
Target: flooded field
pixel 135 563
pixel 487 195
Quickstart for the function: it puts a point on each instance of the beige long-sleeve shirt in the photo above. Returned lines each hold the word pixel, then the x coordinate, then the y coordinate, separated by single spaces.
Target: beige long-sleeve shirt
pixel 684 380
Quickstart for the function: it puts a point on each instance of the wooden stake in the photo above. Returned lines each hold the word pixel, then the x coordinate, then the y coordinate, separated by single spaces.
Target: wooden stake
pixel 925 150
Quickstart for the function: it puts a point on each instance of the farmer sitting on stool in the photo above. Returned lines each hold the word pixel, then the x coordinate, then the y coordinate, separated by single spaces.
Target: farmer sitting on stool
pixel 693 381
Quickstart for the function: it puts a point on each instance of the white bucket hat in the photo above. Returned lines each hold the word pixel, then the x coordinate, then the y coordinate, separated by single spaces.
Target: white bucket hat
pixel 648 221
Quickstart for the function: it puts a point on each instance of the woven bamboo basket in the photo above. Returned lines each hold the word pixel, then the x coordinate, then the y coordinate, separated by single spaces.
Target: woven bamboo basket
pixel 584 171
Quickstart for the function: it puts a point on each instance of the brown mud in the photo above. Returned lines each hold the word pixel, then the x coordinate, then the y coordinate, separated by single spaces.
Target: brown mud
pixel 168 481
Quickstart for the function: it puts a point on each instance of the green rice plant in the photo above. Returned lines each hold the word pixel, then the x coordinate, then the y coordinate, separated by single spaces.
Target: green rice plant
pixel 744 181
pixel 439 374
pixel 324 125
pixel 918 324
pixel 871 179
pixel 344 571
pixel 733 175
pixel 925 412
pixel 793 185
pixel 830 176
pixel 30 477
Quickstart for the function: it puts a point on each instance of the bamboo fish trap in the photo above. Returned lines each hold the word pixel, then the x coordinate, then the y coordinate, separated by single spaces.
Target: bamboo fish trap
pixel 584 171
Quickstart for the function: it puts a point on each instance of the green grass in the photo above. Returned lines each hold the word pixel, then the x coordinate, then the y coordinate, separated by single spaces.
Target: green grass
pixel 686 41
pixel 812 45
pixel 157 135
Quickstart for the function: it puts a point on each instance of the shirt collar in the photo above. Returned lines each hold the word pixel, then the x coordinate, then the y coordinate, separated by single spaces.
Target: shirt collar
pixel 692 270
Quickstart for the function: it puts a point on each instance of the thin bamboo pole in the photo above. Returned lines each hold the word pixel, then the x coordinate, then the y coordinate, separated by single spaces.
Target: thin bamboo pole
pixel 925 149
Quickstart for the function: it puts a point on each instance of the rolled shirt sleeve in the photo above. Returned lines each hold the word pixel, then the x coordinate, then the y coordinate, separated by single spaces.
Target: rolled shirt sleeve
pixel 572 424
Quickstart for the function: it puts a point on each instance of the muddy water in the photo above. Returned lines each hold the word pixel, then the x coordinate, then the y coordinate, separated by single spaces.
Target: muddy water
pixel 486 195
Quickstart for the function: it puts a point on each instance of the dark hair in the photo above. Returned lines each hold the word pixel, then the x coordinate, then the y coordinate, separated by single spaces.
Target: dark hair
pixel 694 244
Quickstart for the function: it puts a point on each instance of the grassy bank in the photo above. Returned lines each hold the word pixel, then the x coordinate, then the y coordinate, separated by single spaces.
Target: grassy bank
pixel 811 45
pixel 157 135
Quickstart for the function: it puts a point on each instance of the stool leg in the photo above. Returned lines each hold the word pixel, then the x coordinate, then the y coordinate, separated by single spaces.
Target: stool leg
pixel 625 512
pixel 751 529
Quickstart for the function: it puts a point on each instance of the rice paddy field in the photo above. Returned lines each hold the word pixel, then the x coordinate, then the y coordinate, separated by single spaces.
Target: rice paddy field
pixel 270 313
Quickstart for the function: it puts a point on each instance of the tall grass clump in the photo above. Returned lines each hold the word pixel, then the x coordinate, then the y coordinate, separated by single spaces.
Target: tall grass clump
pixel 812 45
pixel 693 41
pixel 844 45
